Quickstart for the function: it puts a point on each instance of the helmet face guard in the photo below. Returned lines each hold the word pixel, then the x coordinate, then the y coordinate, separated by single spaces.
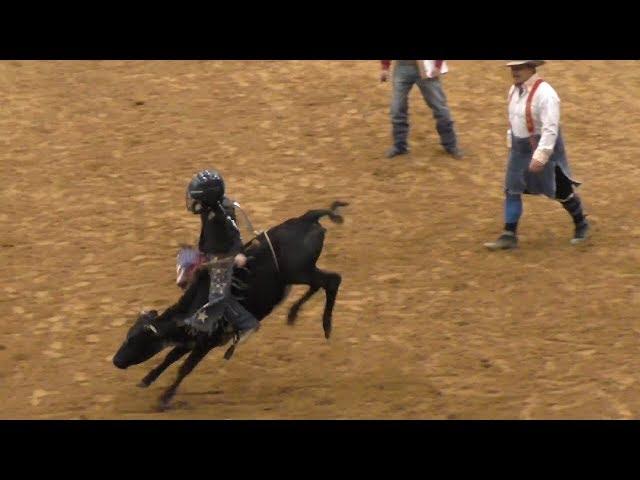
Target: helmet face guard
pixel 193 205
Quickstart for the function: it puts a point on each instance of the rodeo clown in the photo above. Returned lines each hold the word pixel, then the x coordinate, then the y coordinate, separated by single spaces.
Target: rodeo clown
pixel 221 245
pixel 537 159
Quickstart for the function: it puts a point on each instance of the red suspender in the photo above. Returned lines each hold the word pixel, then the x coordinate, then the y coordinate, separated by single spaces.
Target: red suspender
pixel 530 126
pixel 528 114
pixel 528 110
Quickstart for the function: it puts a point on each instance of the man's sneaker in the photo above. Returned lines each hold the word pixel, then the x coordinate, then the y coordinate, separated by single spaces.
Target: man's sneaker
pixel 395 151
pixel 581 234
pixel 506 241
pixel 456 153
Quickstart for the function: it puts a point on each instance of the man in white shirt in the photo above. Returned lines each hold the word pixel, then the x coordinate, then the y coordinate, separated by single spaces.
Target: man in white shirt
pixel 537 163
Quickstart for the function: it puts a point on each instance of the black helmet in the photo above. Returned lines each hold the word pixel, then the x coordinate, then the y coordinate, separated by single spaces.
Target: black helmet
pixel 204 191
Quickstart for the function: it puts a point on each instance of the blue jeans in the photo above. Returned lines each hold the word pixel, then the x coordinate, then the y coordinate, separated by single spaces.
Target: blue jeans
pixel 404 76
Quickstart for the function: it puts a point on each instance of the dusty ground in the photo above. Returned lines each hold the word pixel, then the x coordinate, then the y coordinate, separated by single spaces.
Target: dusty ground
pixel 94 160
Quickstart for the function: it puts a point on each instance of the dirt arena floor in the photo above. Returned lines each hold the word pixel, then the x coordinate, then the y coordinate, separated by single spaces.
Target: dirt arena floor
pixel 428 324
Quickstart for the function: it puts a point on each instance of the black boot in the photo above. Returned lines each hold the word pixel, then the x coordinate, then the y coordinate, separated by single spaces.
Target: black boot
pixel 573 206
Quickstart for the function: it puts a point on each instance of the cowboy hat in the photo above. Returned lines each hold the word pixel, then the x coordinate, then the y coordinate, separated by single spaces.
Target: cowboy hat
pixel 533 63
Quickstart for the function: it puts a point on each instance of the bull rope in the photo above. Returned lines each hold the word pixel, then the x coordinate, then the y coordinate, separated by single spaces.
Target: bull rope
pixel 273 252
pixel 256 233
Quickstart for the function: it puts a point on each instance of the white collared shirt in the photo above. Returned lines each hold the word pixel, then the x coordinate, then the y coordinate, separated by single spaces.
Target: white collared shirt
pixel 545 110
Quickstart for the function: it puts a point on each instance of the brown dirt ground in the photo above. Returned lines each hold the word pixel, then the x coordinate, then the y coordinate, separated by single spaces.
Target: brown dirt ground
pixel 427 325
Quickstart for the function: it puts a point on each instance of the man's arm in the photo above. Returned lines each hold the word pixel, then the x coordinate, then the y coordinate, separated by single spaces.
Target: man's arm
pixel 434 73
pixel 384 74
pixel 550 118
pixel 422 69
